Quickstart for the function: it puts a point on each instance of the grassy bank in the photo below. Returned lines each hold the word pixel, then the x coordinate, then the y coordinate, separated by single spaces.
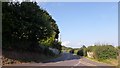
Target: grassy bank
pixel 12 57
pixel 119 61
pixel 113 62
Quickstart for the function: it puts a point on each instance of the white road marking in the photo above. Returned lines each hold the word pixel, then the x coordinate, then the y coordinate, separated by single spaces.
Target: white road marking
pixel 77 63
pixel 43 65
pixel 57 62
pixel 86 63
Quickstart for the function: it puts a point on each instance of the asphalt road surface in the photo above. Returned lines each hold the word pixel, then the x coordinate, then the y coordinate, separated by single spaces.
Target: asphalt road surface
pixel 66 60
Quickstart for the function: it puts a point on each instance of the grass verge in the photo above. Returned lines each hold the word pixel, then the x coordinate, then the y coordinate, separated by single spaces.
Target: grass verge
pixel 113 62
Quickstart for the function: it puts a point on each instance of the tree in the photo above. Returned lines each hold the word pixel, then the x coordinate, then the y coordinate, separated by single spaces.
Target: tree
pixel 118 47
pixel 26 23
pixel 80 52
pixel 72 51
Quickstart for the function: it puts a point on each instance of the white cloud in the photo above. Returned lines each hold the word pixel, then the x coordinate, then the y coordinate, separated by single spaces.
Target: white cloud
pixel 66 43
pixel 79 43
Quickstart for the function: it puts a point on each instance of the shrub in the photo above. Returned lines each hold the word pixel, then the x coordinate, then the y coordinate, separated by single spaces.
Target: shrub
pixel 80 52
pixel 72 51
pixel 75 51
pixel 84 51
pixel 102 52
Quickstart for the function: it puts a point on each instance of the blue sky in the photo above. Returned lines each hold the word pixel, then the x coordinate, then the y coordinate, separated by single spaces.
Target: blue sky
pixel 85 23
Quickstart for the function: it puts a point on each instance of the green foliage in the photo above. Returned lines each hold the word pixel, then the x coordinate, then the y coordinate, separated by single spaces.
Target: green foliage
pixel 48 42
pixel 57 45
pixel 118 47
pixel 80 52
pixel 72 51
pixel 91 48
pixel 75 51
pixel 102 52
pixel 26 21
pixel 85 52
pixel 67 49
pixel 26 26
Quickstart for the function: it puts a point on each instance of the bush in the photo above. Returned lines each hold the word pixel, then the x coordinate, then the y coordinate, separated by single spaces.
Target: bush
pixel 80 52
pixel 84 51
pixel 72 51
pixel 102 52
pixel 75 51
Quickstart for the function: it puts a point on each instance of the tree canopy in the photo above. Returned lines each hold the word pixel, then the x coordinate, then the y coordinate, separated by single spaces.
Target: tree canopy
pixel 26 21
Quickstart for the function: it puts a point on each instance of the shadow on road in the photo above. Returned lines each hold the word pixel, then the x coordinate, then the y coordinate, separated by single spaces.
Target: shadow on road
pixel 20 57
pixel 64 57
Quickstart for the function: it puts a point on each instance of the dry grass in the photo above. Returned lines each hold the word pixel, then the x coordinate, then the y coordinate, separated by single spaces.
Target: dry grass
pixel 113 62
pixel 119 61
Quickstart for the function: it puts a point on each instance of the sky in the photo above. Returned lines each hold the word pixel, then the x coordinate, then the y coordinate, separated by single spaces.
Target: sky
pixel 67 0
pixel 85 23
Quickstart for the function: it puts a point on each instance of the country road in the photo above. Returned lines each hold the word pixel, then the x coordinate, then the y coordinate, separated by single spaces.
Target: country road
pixel 66 60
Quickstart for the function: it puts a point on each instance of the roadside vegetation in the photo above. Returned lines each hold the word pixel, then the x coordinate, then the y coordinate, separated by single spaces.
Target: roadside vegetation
pixel 26 27
pixel 66 49
pixel 28 33
pixel 100 52
pixel 118 56
pixel 104 53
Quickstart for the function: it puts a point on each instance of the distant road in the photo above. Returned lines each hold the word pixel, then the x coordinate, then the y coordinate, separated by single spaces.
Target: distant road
pixel 66 59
